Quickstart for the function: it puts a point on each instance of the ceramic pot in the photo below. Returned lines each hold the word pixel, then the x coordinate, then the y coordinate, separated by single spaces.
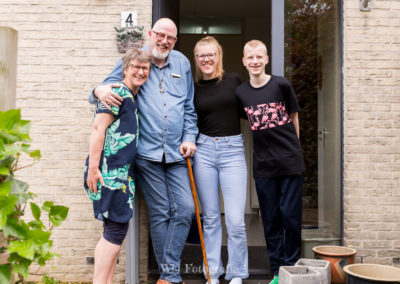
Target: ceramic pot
pixel 338 257
pixel 364 273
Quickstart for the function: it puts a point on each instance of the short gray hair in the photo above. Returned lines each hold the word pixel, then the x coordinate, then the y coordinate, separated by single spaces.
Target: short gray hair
pixel 140 55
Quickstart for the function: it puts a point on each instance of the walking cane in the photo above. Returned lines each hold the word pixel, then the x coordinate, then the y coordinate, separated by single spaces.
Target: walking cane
pixel 196 207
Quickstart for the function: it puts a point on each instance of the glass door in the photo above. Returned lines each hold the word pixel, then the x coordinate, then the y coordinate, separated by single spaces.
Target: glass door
pixel 312 61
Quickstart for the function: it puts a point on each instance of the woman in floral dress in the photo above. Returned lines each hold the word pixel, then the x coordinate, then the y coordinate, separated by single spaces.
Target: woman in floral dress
pixel 108 177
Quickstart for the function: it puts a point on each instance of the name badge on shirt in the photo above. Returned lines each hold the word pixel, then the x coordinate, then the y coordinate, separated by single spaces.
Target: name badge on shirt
pixel 174 75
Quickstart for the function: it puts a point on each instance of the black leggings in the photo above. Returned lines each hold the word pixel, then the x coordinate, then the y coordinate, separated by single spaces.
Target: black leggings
pixel 114 232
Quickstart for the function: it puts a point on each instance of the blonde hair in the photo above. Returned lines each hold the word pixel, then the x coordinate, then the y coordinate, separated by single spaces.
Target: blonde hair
pixel 255 43
pixel 209 40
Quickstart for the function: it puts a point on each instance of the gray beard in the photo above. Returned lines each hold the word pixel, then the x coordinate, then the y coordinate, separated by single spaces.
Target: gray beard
pixel 159 55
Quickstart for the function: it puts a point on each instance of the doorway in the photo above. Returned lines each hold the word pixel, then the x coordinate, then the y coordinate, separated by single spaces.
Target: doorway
pixel 305 48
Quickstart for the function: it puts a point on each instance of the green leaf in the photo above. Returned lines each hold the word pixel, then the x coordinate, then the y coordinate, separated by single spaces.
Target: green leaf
pixel 35 211
pixel 38 236
pixel 6 161
pixel 5 188
pixel 4 171
pixel 15 229
pixel 36 224
pixel 22 267
pixel 58 214
pixel 35 154
pixel 7 204
pixel 19 189
pixel 25 248
pixel 5 273
pixel 47 205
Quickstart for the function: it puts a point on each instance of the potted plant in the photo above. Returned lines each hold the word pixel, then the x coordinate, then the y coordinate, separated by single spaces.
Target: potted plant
pixel 129 37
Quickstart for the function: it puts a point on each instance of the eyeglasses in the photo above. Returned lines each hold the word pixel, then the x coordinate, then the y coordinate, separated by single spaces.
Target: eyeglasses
pixel 161 36
pixel 137 68
pixel 210 56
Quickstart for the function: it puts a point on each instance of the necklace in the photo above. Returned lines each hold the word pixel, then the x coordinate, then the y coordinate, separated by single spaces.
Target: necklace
pixel 161 80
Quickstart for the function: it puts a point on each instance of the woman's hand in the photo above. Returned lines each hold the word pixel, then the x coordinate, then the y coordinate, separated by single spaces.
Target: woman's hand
pixel 94 176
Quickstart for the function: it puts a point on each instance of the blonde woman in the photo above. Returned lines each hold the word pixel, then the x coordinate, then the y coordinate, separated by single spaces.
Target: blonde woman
pixel 219 161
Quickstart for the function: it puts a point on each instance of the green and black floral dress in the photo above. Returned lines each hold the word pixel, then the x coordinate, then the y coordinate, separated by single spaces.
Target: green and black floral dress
pixel 114 201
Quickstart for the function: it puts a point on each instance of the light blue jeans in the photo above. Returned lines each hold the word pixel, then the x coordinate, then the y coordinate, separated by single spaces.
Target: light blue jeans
pixel 166 190
pixel 220 161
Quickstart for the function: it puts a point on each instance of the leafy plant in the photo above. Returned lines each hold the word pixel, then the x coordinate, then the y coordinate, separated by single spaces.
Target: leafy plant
pixel 21 243
pixel 49 280
pixel 129 34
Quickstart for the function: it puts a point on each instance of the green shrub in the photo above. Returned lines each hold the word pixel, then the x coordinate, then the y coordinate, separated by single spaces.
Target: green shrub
pixel 21 243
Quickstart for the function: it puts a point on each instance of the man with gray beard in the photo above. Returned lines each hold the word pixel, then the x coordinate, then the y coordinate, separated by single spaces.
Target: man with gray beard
pixel 167 133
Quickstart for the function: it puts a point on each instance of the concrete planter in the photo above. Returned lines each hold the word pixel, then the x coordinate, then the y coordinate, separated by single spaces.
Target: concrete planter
pixel 299 275
pixel 322 266
pixel 364 273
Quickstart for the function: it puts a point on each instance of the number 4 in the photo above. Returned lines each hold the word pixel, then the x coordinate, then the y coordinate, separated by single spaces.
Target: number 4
pixel 129 20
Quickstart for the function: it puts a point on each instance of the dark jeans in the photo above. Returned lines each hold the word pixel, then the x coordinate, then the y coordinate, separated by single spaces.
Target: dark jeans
pixel 280 200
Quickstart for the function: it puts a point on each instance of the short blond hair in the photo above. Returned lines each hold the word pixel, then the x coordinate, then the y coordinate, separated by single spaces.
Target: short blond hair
pixel 209 40
pixel 255 43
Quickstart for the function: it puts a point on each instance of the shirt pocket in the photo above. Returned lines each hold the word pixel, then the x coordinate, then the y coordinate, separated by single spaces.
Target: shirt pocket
pixel 178 86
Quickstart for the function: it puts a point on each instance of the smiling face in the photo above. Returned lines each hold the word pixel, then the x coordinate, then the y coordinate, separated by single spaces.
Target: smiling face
pixel 206 58
pixel 162 39
pixel 255 58
pixel 136 74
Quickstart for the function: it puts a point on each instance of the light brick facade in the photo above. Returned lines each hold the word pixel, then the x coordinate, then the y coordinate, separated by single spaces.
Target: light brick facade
pixel 66 47
pixel 371 82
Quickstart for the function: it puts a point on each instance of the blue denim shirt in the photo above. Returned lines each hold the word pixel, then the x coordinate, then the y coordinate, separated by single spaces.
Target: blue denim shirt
pixel 166 119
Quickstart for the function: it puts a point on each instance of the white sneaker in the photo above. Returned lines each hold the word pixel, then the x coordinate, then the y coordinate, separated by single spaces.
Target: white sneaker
pixel 236 280
pixel 213 281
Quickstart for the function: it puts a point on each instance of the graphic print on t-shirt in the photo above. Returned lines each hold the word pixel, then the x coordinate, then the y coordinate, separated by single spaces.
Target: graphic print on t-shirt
pixel 269 115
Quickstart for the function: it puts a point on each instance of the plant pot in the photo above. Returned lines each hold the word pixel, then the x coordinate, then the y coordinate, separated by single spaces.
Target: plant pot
pixel 338 256
pixel 299 275
pixel 322 266
pixel 364 273
pixel 125 46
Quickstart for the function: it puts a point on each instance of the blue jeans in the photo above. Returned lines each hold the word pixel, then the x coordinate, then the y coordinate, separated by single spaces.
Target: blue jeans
pixel 280 200
pixel 166 190
pixel 220 161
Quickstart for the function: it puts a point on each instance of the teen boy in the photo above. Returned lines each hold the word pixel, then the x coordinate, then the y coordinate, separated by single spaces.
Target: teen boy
pixel 272 111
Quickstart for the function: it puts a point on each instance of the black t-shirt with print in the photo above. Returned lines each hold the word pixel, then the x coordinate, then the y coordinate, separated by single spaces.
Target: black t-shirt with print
pixel 277 150
pixel 218 109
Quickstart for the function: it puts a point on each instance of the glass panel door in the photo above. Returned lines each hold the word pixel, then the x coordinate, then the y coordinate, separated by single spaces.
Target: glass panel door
pixel 313 66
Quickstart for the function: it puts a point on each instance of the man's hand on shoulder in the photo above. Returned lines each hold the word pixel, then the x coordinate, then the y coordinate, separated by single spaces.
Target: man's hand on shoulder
pixel 187 149
pixel 105 94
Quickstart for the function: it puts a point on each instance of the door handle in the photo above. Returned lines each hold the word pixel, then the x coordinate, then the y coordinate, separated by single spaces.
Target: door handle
pixel 322 135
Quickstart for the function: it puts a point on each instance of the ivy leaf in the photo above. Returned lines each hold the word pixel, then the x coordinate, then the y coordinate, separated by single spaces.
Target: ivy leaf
pixel 19 189
pixel 36 225
pixel 22 267
pixel 4 171
pixel 5 273
pixel 35 211
pixel 15 229
pixel 47 205
pixel 5 188
pixel 38 236
pixel 7 204
pixel 25 248
pixel 57 214
pixel 35 154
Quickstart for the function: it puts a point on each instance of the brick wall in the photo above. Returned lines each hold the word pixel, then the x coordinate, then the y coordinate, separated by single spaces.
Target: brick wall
pixel 64 49
pixel 372 131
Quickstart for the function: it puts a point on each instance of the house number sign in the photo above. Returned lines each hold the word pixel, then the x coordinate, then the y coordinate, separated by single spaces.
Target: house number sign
pixel 128 19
